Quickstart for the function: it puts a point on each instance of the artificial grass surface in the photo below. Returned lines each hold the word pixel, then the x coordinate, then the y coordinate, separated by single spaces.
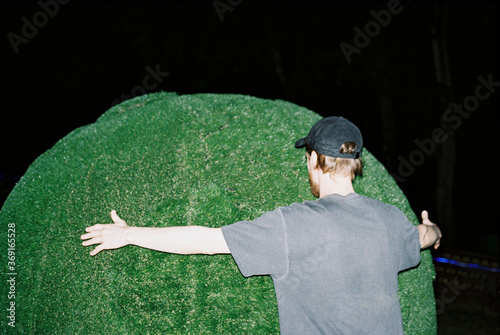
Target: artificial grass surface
pixel 161 160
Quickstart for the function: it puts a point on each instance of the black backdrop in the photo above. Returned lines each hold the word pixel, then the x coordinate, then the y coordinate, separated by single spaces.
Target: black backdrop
pixel 66 62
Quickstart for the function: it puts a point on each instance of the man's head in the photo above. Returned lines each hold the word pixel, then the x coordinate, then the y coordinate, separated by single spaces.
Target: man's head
pixel 334 146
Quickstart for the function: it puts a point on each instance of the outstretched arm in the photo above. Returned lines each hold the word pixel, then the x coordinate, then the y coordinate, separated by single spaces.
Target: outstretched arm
pixel 177 240
pixel 430 235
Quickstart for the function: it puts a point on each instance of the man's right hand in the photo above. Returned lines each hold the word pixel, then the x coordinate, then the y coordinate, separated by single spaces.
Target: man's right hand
pixel 430 234
pixel 108 236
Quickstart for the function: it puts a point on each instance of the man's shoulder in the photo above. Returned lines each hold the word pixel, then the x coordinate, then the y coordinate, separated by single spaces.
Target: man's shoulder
pixel 379 204
pixel 333 200
pixel 338 203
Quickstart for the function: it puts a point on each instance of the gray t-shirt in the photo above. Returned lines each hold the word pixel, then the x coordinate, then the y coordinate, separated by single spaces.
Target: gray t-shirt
pixel 334 263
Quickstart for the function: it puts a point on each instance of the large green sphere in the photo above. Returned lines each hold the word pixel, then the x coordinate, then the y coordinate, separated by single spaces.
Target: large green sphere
pixel 164 160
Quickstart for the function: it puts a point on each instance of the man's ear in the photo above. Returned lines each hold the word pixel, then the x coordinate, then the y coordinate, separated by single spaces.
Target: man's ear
pixel 313 160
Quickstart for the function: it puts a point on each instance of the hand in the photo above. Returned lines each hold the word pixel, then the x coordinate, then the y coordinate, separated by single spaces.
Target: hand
pixel 432 235
pixel 108 236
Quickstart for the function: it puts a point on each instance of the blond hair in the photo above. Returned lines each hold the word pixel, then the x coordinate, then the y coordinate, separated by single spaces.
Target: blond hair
pixel 345 167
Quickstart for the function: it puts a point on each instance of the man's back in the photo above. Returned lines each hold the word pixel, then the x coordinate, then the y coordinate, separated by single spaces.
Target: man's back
pixel 334 262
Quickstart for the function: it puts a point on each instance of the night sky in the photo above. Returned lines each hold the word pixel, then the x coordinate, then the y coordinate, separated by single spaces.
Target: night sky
pixel 392 67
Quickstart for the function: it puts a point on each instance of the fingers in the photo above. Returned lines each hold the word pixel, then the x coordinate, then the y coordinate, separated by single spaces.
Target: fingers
pixel 433 226
pixel 116 219
pixel 91 239
pixel 105 235
pixel 438 243
pixel 425 218
pixel 97 250
pixel 88 235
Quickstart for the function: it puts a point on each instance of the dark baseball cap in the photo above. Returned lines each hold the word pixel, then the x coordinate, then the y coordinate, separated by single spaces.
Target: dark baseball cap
pixel 327 136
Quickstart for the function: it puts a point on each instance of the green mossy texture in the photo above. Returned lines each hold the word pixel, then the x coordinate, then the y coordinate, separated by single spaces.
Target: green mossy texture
pixel 163 160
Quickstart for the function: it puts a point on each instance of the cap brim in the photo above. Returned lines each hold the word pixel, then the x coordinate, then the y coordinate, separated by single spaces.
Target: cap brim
pixel 300 143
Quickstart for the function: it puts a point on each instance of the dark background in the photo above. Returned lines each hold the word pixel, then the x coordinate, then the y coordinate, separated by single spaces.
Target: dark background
pixel 74 60
pixel 84 55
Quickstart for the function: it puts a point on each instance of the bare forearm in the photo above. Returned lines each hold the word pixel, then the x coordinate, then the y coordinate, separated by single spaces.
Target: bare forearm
pixel 178 240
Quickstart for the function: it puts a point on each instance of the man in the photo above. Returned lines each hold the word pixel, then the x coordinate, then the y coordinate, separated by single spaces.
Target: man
pixel 334 261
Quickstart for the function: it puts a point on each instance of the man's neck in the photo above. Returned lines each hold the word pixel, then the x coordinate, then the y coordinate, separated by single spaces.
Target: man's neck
pixel 336 185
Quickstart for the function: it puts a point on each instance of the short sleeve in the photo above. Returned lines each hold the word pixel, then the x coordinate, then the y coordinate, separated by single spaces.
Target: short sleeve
pixel 409 243
pixel 259 247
